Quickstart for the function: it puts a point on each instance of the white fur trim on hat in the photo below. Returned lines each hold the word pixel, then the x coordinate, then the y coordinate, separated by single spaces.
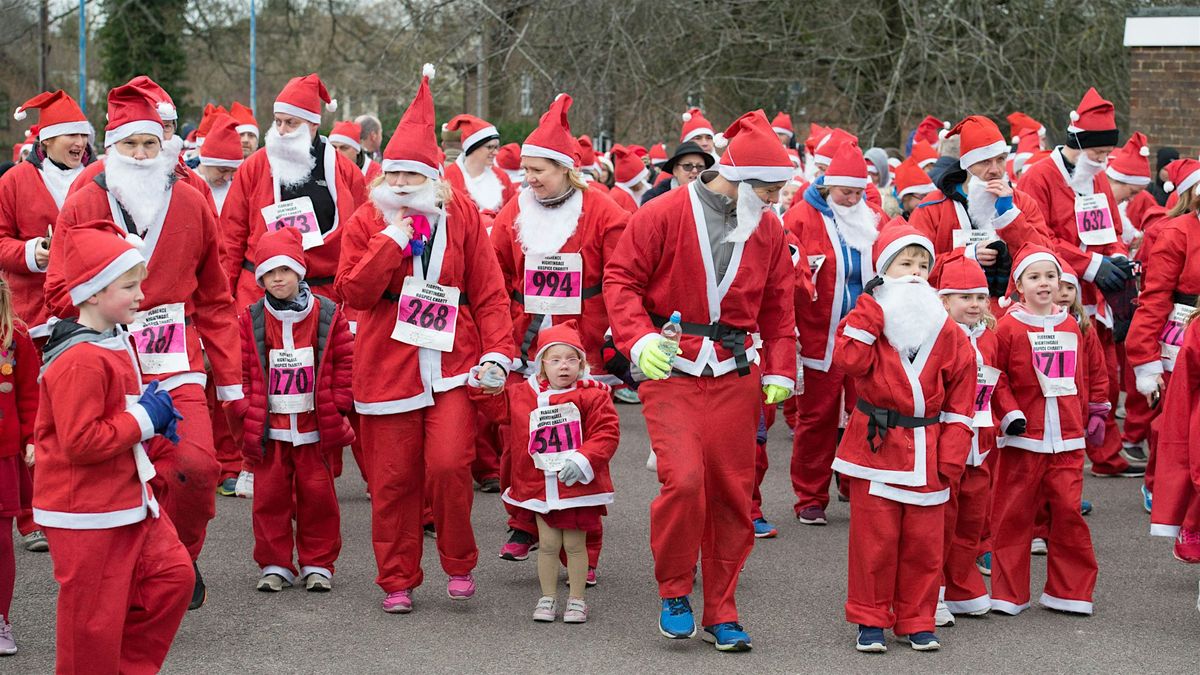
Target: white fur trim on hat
pixel 1192 179
pixel 1070 279
pixel 247 129
pixel 965 291
pixel 641 177
pixel 216 161
pixel 296 111
pixel 891 250
pixel 483 133
pixel 846 181
pixel 698 131
pixel 1128 180
pixel 345 140
pixel 917 189
pixel 528 150
pixel 152 127
pixel 278 261
pixel 1040 256
pixel 64 129
pixel 766 174
pixel 411 166
pixel 983 153
pixel 781 130
pixel 111 272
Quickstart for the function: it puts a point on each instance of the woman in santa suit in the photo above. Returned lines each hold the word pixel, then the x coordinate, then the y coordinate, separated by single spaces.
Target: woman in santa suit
pixel 418 267
pixel 346 138
pixel 474 171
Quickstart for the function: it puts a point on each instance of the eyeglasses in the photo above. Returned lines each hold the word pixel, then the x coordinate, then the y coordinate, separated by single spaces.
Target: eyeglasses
pixel 691 168
pixel 570 361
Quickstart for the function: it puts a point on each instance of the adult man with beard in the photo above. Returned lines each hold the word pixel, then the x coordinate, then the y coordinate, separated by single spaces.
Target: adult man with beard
pixel 713 253
pixel 1073 193
pixel 220 157
pixel 186 299
pixel 298 178
pixel 836 228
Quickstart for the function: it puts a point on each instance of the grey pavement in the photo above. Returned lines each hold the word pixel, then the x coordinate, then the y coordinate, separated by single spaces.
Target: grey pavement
pixel 790 599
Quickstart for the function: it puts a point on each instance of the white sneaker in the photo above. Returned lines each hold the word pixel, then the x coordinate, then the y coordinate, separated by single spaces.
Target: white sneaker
pixel 652 462
pixel 943 617
pixel 1037 546
pixel 245 485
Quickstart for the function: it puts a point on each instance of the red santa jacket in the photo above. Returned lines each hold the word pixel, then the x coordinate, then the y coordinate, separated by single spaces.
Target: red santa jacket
pixel 183 264
pixel 264 328
pixel 456 178
pixel 598 229
pixel 393 376
pixel 1053 423
pixel 938 217
pixel 183 173
pixel 1178 450
pixel 540 491
pixel 623 198
pixel 1174 271
pixel 242 223
pixel 18 407
pixel 663 263
pixel 370 171
pixel 986 402
pixel 913 466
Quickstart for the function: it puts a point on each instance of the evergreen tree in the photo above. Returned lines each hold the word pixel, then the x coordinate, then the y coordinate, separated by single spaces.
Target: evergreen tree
pixel 143 37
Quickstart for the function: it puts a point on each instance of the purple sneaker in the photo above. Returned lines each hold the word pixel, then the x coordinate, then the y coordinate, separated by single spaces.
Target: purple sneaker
pixel 8 645
pixel 460 587
pixel 398 602
pixel 812 515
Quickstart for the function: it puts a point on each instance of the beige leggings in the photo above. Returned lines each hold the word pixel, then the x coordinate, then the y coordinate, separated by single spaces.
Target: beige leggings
pixel 550 540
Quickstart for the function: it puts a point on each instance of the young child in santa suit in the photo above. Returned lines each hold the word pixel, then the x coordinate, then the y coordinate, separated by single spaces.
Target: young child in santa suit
pixel 1039 347
pixel 563 430
pixel 297 359
pixel 906 442
pixel 124 578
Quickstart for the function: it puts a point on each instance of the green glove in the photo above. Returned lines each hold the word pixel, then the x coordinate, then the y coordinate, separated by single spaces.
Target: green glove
pixel 654 362
pixel 776 394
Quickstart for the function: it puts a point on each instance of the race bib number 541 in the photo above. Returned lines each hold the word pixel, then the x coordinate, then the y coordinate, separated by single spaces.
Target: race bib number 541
pixel 555 432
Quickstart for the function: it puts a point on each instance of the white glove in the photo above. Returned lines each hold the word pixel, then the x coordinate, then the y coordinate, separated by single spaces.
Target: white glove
pixel 570 474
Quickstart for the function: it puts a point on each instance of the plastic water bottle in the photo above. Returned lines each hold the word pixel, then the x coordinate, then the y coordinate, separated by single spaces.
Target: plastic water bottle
pixel 671 333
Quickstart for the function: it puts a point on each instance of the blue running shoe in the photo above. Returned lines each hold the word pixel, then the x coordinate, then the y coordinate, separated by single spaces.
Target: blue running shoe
pixel 1085 507
pixel 764 530
pixel 984 564
pixel 925 641
pixel 727 637
pixel 1147 499
pixel 870 640
pixel 676 620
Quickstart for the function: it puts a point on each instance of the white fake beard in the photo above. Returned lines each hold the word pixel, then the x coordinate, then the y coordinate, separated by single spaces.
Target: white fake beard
pixel 141 186
pixel 1085 171
pixel 858 225
pixel 290 155
pixel 172 147
pixel 544 231
pixel 421 198
pixel 981 204
pixel 750 210
pixel 913 313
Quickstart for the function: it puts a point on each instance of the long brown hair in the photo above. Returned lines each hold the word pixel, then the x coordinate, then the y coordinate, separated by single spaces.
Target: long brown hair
pixel 8 319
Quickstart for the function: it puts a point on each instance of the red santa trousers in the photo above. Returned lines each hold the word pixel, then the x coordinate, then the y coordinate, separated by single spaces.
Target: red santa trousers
pixel 814 444
pixel 300 477
pixel 1138 413
pixel 1106 457
pixel 966 516
pixel 1024 480
pixel 411 454
pixel 487 450
pixel 895 566
pixel 188 472
pixel 703 507
pixel 1152 436
pixel 122 593
pixel 228 449
pixel 761 464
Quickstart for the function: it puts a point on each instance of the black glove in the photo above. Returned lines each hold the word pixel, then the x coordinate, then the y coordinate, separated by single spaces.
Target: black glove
pixel 1110 277
pixel 869 289
pixel 1015 427
pixel 997 273
pixel 615 362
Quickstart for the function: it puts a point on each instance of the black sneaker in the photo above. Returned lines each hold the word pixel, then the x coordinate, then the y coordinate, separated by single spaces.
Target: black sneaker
pixel 1135 453
pixel 199 592
pixel 1131 471
pixel 490 485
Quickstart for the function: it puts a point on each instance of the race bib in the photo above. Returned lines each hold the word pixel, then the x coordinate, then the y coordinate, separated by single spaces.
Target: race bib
pixel 297 213
pixel 815 262
pixel 964 238
pixel 555 433
pixel 1094 220
pixel 985 385
pixel 1054 359
pixel 160 336
pixel 291 381
pixel 1171 337
pixel 554 284
pixel 426 315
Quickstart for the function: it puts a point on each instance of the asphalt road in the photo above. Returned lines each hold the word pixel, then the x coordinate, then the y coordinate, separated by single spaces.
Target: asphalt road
pixel 790 598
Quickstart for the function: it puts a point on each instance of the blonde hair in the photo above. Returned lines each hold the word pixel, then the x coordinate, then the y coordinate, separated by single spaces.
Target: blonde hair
pixel 576 180
pixel 987 319
pixel 1186 203
pixel 1077 311
pixel 8 319
pixel 583 363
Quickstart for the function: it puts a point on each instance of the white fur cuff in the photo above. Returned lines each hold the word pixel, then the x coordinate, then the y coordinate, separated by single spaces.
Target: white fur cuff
pixel 1147 384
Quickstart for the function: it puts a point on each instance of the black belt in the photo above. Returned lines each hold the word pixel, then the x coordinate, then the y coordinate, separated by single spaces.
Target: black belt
pixel 1184 298
pixel 879 420
pixel 395 297
pixel 535 320
pixel 312 281
pixel 733 339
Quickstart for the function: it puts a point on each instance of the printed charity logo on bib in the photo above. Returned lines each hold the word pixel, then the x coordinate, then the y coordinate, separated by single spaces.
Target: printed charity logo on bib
pixel 1054 360
pixel 297 213
pixel 554 283
pixel 1094 220
pixel 160 336
pixel 555 433
pixel 426 315
pixel 985 385
pixel 1171 337
pixel 964 238
pixel 291 381
pixel 815 263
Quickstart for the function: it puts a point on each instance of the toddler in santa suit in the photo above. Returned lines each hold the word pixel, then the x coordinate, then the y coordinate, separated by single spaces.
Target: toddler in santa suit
pixel 906 442
pixel 124 578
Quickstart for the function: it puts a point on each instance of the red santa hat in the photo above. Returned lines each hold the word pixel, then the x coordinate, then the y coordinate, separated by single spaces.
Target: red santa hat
pixel 911 179
pixel 829 144
pixel 695 124
pixel 816 132
pixel 206 120
pixel 980 140
pixel 924 153
pixel 95 254
pixel 782 124
pixel 1131 164
pixel 1020 124
pixel 658 154
pixel 1068 274
pixel 31 135
pixel 1182 175
pixel 794 155
pixel 282 248
pixel 847 168
pixel 956 273
pixel 508 158
pixel 565 333
pixel 628 169
pixel 246 124
pixel 60 115
pixel 302 97
pixel 930 130
pixel 162 100
pixel 1028 144
pixel 1093 122
pixel 131 110
pixel 222 146
pixel 552 138
pixel 894 238
pixel 413 147
pixel 751 154
pixel 475 132
pixel 587 153
pixel 348 133
pixel 1029 254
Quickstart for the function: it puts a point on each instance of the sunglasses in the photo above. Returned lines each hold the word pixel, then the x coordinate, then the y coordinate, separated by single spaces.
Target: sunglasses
pixel 691 168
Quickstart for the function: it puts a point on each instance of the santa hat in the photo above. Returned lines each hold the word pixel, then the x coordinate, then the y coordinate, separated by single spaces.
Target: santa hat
pixel 911 179
pixel 628 170
pixel 413 147
pixel 60 115
pixel 348 133
pixel 1020 124
pixel 565 333
pixel 246 124
pixel 1031 253
pixel 1182 174
pixel 162 100
pixel 31 135
pixel 552 138
pixel 1068 274
pixel 782 124
pixel 587 153
pixel 206 120
pixel 980 140
pixel 923 153
pixel 816 132
pixel 131 110
pixel 930 130
pixel 1028 144
pixel 1093 123
pixel 282 248
pixel 658 154
pixel 794 155
pixel 475 132
pixel 1037 157
pixel 508 157
pixel 695 124
pixel 95 254
pixel 895 237
pixel 1131 164
pixel 222 146
pixel 751 154
pixel 302 97
pixel 828 146
pixel 956 273
pixel 847 168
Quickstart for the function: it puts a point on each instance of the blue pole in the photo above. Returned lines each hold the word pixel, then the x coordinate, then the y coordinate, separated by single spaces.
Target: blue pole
pixel 83 55
pixel 253 68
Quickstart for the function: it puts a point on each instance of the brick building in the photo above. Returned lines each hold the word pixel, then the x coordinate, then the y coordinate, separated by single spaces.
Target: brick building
pixel 1164 76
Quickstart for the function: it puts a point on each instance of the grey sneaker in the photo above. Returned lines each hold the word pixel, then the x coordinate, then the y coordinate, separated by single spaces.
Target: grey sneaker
pixel 273 583
pixel 316 582
pixel 8 645
pixel 36 542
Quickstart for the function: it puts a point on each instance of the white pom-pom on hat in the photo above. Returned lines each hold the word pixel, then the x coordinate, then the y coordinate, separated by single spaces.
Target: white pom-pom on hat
pixel 946 124
pixel 1016 139
pixel 135 241
pixel 428 70
pixel 331 106
pixel 687 117
pixel 719 140
pixel 1074 116
pixel 20 114
pixel 1168 186
pixel 1144 151
pixel 1004 301
pixel 164 108
pixel 445 126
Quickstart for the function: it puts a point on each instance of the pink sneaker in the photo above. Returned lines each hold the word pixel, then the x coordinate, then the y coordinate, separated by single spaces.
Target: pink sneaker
pixel 398 602
pixel 1187 546
pixel 518 546
pixel 460 587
